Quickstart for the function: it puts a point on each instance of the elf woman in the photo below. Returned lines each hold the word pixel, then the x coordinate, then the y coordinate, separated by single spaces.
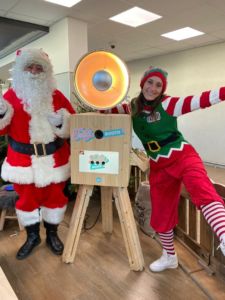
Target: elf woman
pixel 173 160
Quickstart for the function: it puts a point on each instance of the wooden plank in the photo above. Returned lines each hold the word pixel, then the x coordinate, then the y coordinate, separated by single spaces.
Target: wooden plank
pixel 76 222
pixel 123 228
pixel 206 235
pixel 192 222
pixel 193 245
pixel 140 160
pixel 182 214
pixel 2 218
pixel 220 266
pixel 6 291
pixel 107 209
pixel 129 229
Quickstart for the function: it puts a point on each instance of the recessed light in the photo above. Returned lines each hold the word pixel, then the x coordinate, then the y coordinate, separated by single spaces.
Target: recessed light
pixel 182 34
pixel 67 3
pixel 135 17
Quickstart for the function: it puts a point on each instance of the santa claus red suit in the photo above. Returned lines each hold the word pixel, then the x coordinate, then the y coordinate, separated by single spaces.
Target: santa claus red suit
pixel 35 116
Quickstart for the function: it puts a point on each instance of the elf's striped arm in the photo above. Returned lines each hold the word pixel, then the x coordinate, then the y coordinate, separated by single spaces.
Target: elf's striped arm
pixel 177 106
pixel 122 108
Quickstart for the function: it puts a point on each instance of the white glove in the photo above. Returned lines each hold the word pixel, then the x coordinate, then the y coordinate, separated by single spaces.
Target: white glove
pixel 55 118
pixel 3 107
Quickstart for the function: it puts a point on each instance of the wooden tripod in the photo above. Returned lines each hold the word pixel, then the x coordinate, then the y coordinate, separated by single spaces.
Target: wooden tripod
pixel 129 229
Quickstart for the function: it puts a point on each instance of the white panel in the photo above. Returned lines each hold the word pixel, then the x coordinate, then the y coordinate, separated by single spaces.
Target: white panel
pixel 99 162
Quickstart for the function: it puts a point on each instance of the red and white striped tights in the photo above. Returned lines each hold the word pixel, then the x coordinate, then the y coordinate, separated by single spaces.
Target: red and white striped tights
pixel 214 214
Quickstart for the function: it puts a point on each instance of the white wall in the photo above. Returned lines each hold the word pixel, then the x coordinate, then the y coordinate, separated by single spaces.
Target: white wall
pixel 65 43
pixel 191 72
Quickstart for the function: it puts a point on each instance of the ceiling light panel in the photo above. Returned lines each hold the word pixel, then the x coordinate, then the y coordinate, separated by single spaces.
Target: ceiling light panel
pixel 135 17
pixel 66 3
pixel 182 34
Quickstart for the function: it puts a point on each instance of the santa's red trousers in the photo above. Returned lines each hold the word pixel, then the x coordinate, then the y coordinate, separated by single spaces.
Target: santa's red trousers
pixel 32 197
pixel 165 188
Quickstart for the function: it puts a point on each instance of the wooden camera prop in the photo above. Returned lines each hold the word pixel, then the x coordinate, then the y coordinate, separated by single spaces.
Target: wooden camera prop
pixel 100 151
pixel 100 143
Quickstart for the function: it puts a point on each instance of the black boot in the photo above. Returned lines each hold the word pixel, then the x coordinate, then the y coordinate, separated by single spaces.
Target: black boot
pixel 52 239
pixel 33 239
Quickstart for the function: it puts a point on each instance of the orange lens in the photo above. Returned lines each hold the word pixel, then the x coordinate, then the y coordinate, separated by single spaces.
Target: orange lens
pixel 101 80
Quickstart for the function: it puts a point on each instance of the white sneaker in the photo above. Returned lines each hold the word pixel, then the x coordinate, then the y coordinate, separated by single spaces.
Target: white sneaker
pixel 222 247
pixel 166 261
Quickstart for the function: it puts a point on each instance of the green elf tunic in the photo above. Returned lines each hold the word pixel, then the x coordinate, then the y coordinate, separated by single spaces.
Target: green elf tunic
pixel 156 131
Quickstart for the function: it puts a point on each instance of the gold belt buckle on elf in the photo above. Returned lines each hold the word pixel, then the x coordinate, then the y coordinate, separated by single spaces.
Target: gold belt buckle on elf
pixel 154 148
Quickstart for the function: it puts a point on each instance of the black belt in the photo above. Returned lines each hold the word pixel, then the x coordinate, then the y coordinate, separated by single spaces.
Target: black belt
pixel 36 149
pixel 155 146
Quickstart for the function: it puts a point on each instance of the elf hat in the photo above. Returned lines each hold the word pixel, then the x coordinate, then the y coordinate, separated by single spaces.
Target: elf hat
pixel 153 71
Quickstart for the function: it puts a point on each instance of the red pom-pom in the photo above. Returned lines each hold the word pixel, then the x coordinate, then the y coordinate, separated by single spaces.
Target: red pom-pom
pixel 18 52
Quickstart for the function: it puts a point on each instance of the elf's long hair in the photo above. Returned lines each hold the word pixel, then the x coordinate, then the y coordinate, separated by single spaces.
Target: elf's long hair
pixel 138 103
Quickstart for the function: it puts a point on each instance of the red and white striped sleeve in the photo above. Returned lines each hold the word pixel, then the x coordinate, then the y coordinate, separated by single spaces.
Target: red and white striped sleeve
pixel 177 106
pixel 123 108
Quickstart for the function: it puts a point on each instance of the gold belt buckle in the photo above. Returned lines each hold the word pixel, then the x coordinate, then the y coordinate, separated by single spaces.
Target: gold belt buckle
pixel 156 144
pixel 36 150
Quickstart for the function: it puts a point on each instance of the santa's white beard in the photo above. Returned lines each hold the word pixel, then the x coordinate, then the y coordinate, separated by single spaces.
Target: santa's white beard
pixel 35 91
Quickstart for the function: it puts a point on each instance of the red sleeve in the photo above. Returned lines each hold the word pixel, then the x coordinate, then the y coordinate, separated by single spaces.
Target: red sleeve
pixel 122 108
pixel 60 101
pixel 177 106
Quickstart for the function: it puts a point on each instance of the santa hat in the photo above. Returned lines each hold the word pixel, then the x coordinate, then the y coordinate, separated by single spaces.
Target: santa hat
pixel 153 71
pixel 26 57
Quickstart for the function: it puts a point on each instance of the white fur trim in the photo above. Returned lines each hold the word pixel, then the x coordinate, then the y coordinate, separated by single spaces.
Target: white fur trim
pixel 40 130
pixel 16 174
pixel 27 218
pixel 29 56
pixel 64 131
pixel 41 173
pixel 53 215
pixel 5 121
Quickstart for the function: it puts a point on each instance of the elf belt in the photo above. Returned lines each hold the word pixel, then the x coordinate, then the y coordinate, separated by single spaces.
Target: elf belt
pixel 36 149
pixel 155 146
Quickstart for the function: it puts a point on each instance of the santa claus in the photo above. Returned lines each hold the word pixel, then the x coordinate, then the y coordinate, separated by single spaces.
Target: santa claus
pixel 35 116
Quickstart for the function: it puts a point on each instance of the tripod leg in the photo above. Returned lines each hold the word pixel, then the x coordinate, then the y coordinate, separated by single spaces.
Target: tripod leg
pixel 76 222
pixel 107 209
pixel 129 229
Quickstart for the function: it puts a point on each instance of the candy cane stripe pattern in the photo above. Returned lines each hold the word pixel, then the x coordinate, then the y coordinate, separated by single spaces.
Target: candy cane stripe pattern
pixel 177 106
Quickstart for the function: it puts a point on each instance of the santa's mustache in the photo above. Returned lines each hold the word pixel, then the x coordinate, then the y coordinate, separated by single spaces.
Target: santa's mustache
pixel 31 76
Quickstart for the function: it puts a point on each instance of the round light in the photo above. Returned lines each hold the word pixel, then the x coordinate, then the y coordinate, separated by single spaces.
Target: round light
pixel 101 80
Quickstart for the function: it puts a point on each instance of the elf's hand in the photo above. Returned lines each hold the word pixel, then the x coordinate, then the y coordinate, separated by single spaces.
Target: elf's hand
pixel 3 106
pixel 55 118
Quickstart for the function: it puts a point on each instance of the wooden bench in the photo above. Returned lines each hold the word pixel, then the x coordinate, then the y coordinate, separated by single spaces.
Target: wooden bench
pixel 7 205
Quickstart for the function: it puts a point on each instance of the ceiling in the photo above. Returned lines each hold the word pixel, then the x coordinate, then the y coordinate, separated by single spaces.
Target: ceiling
pixel 16 34
pixel 130 43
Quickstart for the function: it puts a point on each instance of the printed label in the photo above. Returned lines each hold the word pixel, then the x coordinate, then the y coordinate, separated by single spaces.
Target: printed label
pixel 87 134
pixel 106 162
